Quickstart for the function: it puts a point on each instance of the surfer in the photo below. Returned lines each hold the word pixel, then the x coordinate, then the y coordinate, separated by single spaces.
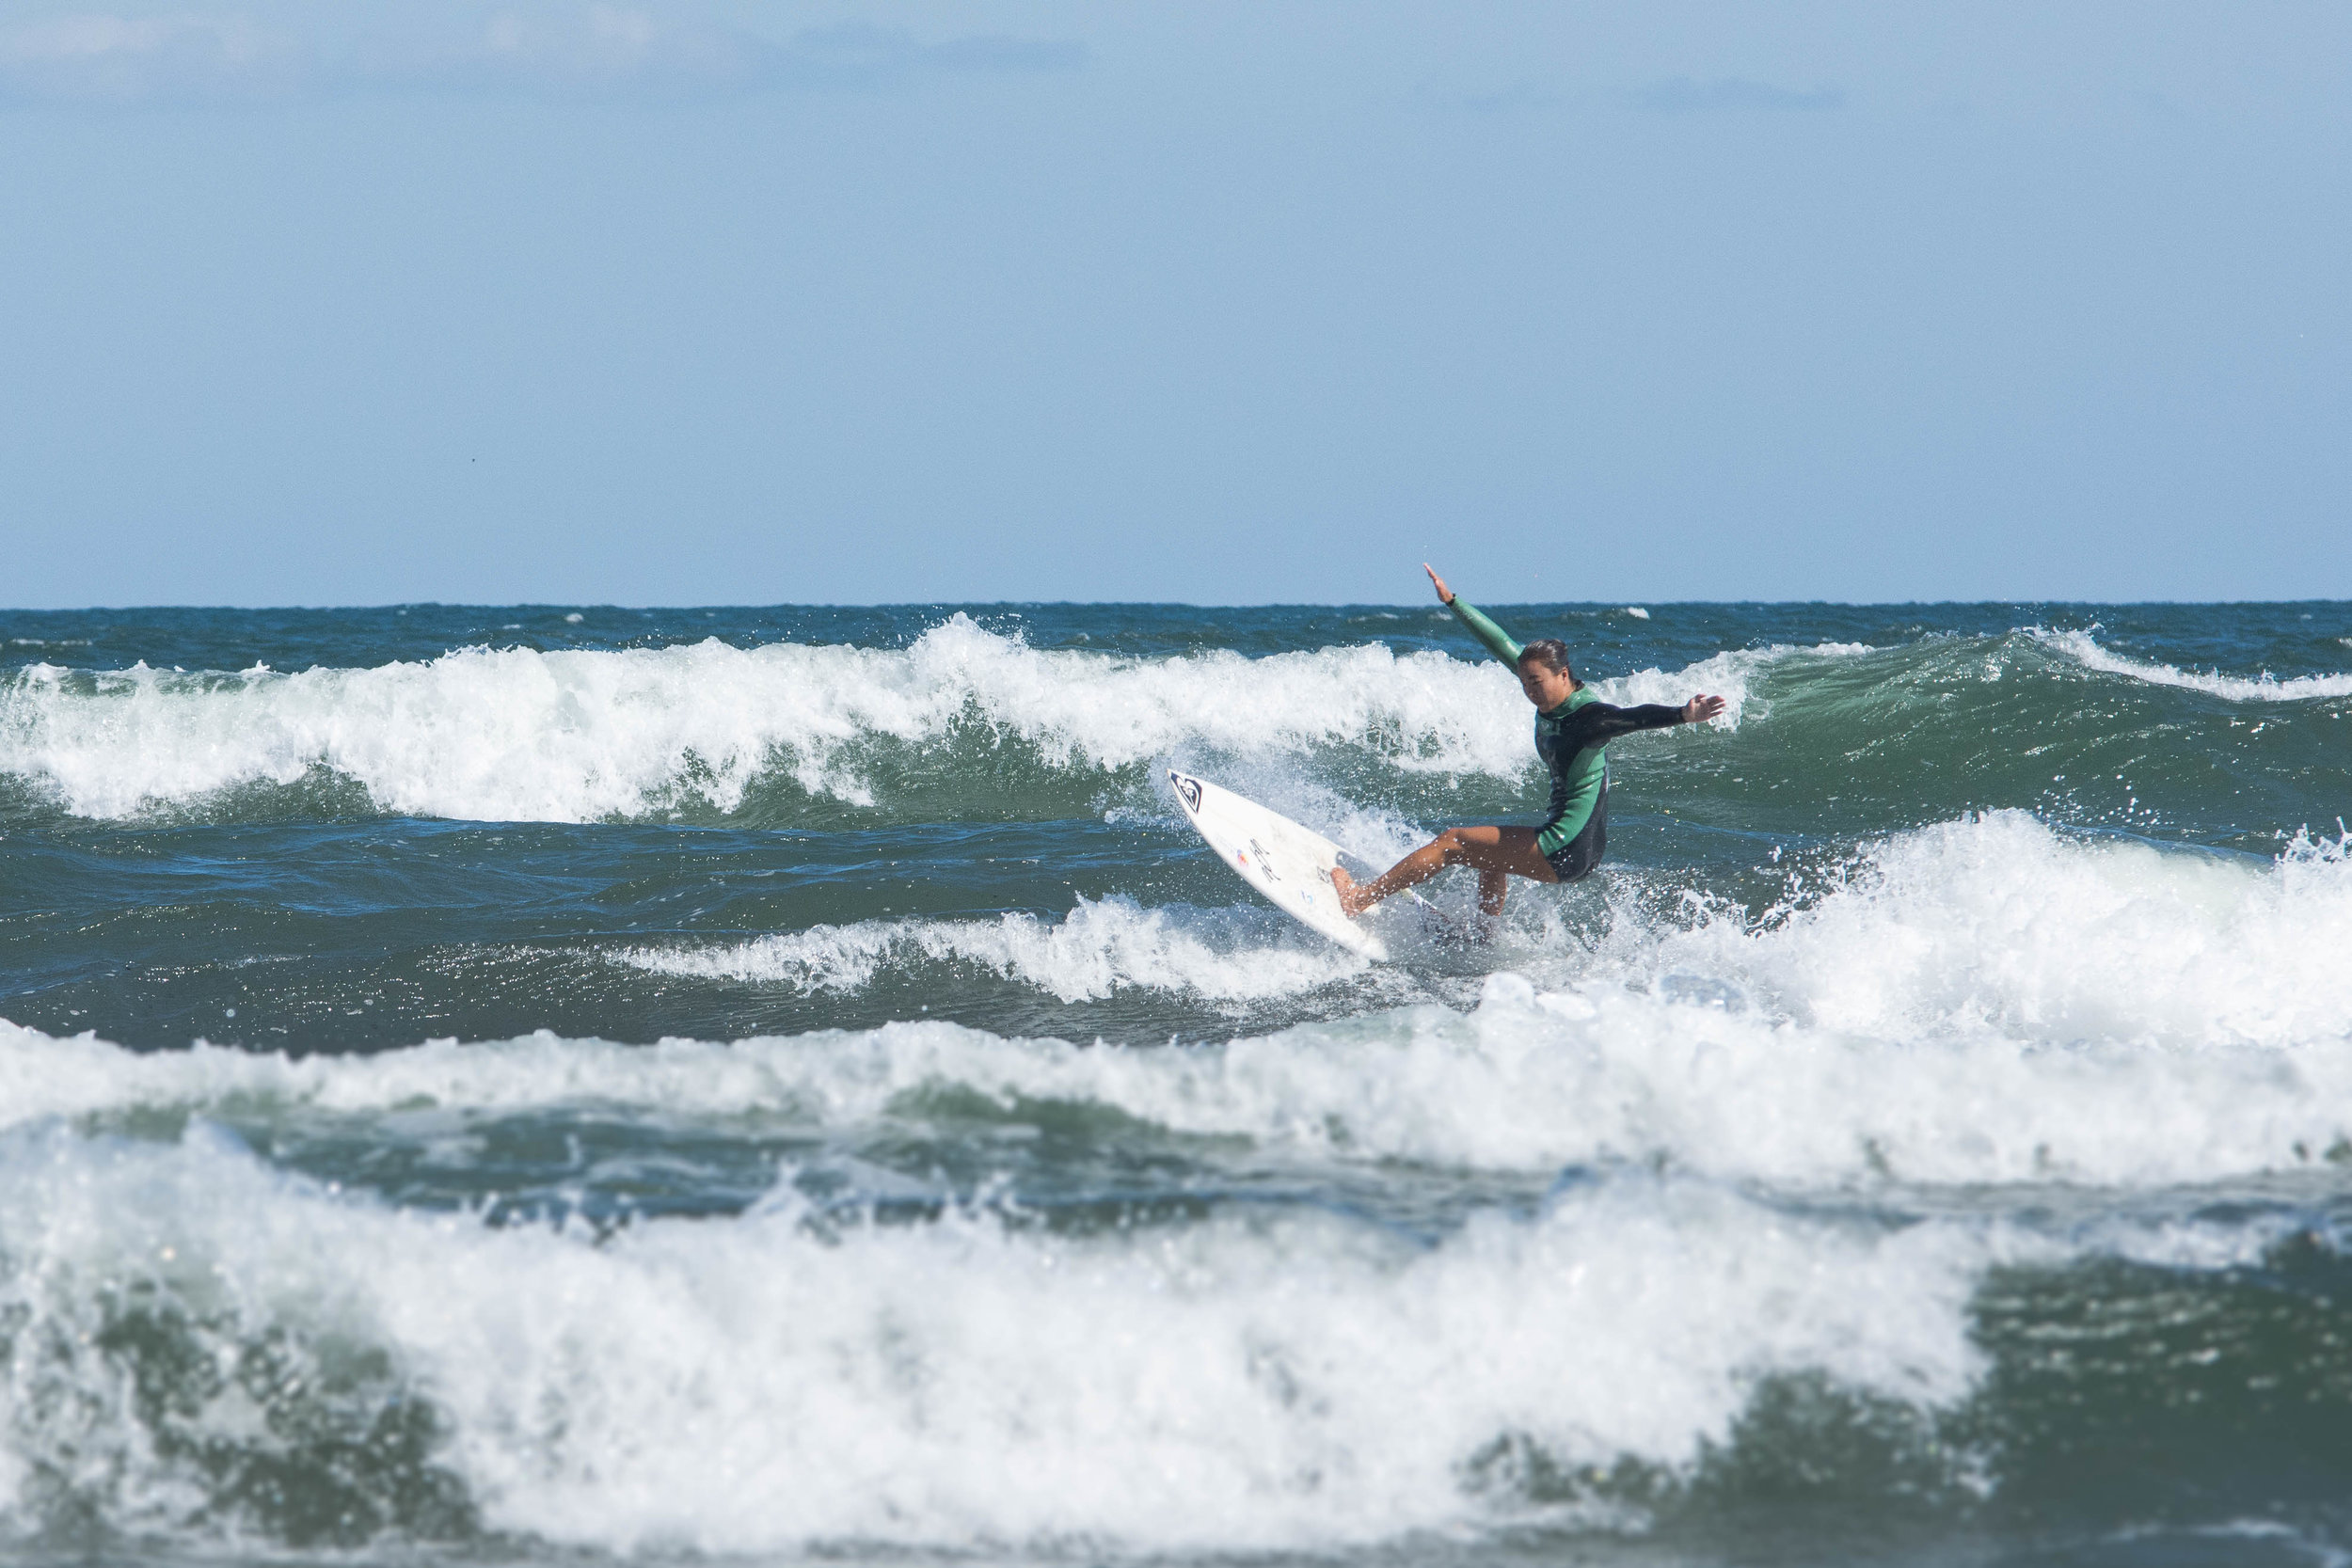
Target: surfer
pixel 1571 727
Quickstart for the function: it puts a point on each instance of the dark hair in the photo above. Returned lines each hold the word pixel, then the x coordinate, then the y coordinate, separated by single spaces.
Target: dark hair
pixel 1549 650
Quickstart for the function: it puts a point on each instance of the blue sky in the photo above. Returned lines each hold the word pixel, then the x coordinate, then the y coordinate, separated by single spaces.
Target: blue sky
pixel 320 302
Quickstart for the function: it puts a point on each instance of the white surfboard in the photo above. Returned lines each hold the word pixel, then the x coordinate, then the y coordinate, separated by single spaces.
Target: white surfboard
pixel 1289 863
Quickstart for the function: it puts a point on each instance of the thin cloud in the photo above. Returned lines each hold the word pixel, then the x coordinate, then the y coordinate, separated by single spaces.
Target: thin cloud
pixel 857 57
pixel 106 61
pixel 101 59
pixel 1520 97
pixel 610 50
pixel 1680 95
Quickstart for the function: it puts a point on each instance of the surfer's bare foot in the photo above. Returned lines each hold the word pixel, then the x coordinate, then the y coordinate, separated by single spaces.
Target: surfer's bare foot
pixel 1352 898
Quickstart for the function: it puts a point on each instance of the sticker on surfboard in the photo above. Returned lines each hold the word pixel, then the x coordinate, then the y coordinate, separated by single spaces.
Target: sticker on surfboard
pixel 1289 863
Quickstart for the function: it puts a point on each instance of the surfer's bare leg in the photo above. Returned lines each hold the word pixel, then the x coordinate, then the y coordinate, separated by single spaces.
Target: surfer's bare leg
pixel 1493 852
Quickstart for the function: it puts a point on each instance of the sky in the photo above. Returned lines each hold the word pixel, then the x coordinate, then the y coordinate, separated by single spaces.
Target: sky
pixel 314 302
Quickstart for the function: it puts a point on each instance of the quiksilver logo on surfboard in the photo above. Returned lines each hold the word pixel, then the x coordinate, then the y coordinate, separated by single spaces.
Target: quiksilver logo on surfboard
pixel 1189 788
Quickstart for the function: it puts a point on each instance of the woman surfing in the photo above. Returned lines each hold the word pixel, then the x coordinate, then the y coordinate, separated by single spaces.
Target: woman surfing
pixel 1571 727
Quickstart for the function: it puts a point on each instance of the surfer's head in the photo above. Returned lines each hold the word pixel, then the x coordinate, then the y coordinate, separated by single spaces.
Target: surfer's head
pixel 1543 674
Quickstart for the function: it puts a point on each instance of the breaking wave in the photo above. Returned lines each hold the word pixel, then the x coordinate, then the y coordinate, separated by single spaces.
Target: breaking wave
pixel 1987 1001
pixel 2080 647
pixel 517 735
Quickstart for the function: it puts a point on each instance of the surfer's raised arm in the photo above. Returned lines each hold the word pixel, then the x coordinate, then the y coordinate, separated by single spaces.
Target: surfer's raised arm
pixel 1508 649
pixel 1499 642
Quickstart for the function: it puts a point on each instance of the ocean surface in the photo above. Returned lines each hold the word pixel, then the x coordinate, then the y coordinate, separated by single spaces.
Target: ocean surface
pixel 553 1085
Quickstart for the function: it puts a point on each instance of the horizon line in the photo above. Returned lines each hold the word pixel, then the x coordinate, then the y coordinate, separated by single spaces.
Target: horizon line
pixel 1620 603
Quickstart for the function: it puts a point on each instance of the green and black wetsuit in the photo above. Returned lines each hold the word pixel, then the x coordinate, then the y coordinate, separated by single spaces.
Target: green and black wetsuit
pixel 1569 739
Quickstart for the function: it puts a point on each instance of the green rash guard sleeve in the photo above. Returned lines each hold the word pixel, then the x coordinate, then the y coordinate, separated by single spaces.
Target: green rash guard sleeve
pixel 1498 642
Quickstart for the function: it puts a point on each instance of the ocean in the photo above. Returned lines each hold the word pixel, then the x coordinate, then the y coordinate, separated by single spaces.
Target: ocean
pixel 553 1085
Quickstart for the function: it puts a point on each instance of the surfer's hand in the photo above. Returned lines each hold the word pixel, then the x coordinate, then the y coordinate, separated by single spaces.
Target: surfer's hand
pixel 1699 709
pixel 1445 595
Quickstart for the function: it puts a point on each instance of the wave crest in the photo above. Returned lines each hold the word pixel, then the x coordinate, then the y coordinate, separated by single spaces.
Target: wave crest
pixel 756 1384
pixel 1097 949
pixel 2084 650
pixel 1985 1001
pixel 517 735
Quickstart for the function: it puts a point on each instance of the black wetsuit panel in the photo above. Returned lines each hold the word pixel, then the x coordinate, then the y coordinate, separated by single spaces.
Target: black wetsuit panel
pixel 1575 860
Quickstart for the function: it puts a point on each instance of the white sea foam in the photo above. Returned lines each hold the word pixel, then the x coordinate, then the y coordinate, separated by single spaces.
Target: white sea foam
pixel 1296 1381
pixel 1099 949
pixel 2081 648
pixel 1996 925
pixel 1984 1001
pixel 2000 927
pixel 1981 1002
pixel 520 735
